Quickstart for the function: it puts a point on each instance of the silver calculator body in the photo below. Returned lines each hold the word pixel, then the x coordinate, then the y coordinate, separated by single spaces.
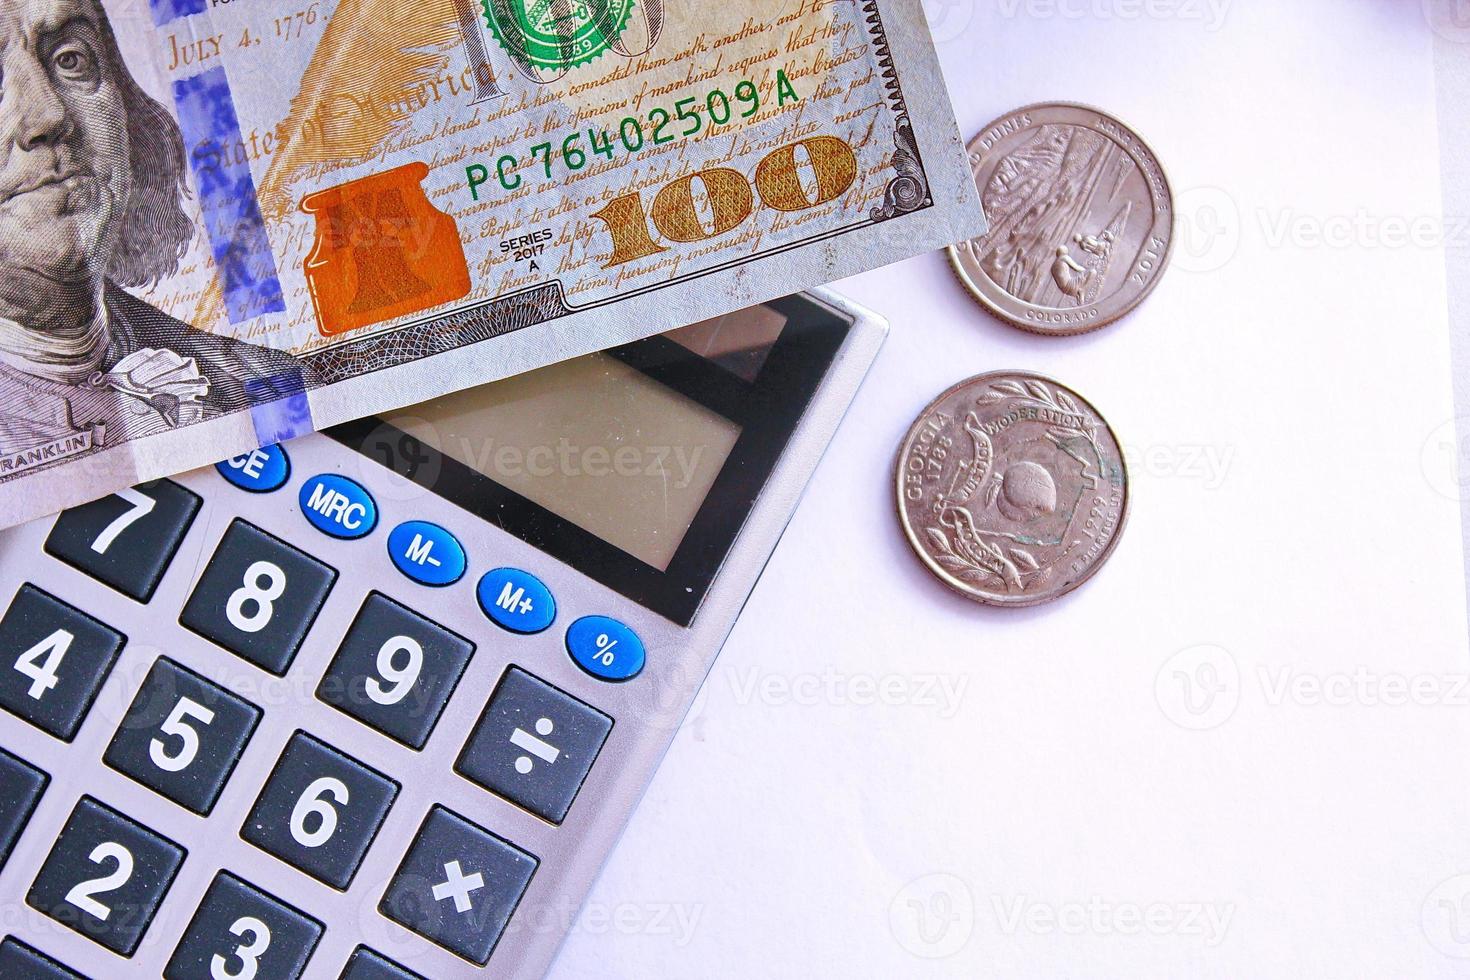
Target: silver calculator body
pixel 393 801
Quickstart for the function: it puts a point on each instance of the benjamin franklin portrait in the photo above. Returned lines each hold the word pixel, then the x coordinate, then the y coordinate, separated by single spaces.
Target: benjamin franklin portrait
pixel 92 188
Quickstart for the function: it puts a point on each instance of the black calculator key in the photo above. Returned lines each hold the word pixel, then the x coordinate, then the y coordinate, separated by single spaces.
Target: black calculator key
pixel 106 876
pixel 21 786
pixel 182 736
pixel 258 597
pixel 319 810
pixel 534 745
pixel 127 539
pixel 368 965
pixel 21 962
pixel 395 670
pixel 53 660
pixel 239 931
pixel 458 885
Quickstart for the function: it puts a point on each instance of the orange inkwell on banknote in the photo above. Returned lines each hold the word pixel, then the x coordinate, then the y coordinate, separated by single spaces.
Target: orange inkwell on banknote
pixel 382 251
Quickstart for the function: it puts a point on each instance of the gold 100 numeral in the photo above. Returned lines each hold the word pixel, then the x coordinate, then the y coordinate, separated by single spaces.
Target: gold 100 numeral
pixel 676 216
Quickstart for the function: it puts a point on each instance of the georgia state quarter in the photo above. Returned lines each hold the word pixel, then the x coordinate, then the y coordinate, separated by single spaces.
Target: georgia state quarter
pixel 1012 488
pixel 1081 219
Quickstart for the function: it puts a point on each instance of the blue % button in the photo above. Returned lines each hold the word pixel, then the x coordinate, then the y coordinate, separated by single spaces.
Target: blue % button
pixel 337 506
pixel 516 600
pixel 426 553
pixel 259 471
pixel 605 648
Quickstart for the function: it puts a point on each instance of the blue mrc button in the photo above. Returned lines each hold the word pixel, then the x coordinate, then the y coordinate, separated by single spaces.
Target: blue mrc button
pixel 426 553
pixel 259 471
pixel 338 506
pixel 605 648
pixel 516 600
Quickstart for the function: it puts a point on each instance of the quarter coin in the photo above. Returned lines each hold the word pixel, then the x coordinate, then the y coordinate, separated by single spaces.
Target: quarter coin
pixel 1081 219
pixel 1012 488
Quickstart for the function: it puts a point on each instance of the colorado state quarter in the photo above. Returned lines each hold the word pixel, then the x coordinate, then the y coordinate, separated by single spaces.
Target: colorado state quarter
pixel 1081 219
pixel 1012 488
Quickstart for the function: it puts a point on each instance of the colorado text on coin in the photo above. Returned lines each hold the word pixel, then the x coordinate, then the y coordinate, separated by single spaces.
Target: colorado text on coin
pixel 1012 488
pixel 1081 219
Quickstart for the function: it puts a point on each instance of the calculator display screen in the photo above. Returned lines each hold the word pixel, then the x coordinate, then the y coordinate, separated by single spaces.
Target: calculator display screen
pixel 636 467
pixel 592 440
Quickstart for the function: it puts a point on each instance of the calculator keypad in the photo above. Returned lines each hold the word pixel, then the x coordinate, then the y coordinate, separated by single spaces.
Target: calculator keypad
pixel 257 594
pixel 395 670
pixel 458 885
pixel 319 810
pixel 61 657
pixel 106 876
pixel 534 745
pixel 258 597
pixel 182 736
pixel 127 539
pixel 21 786
pixel 239 931
pixel 21 962
pixel 368 965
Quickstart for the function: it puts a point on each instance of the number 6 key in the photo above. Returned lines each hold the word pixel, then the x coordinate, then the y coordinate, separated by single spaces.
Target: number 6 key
pixel 319 810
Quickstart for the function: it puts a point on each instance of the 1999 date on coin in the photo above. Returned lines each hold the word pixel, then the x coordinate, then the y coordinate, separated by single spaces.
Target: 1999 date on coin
pixel 1012 489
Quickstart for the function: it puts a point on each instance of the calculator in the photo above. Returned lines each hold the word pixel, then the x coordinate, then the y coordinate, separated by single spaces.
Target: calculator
pixel 377 703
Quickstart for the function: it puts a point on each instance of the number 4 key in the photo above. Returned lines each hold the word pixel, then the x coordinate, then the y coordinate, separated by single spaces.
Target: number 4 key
pixel 55 658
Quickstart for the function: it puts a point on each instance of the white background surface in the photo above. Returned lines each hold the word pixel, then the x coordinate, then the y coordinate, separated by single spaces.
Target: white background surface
pixel 1452 72
pixel 1078 790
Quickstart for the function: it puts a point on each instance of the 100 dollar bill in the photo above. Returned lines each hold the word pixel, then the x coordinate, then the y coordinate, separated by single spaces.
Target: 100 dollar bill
pixel 228 222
